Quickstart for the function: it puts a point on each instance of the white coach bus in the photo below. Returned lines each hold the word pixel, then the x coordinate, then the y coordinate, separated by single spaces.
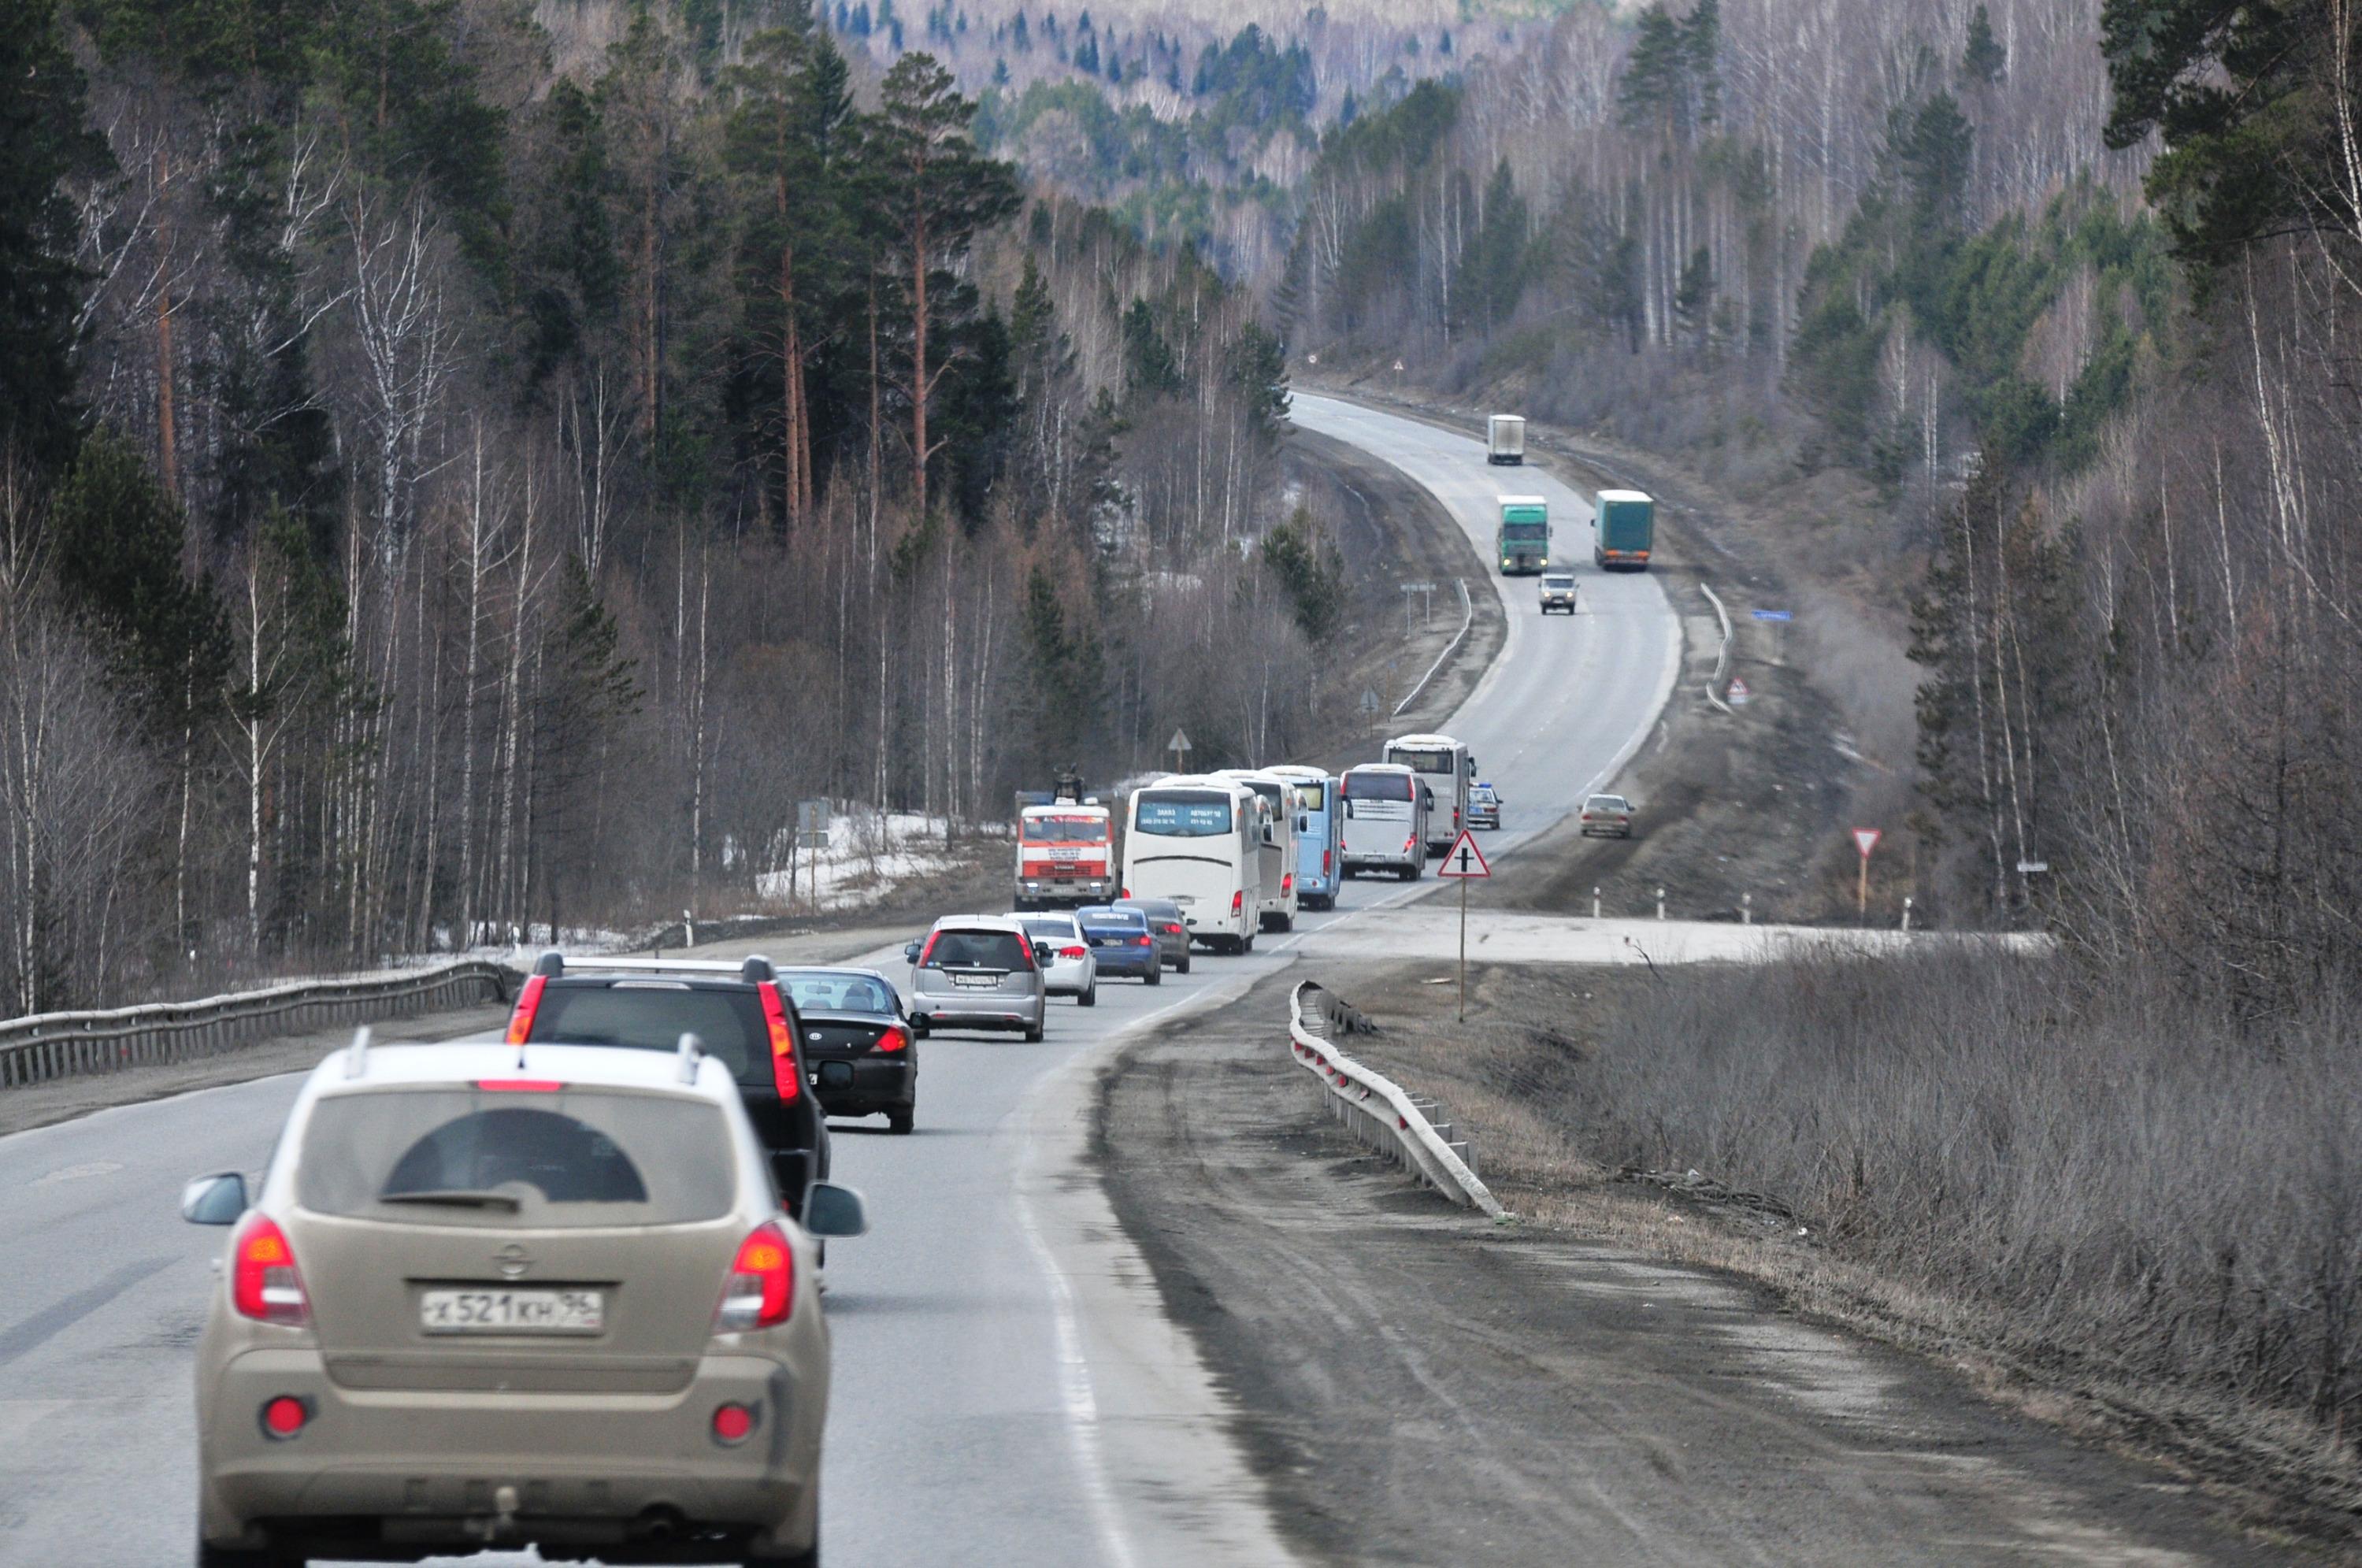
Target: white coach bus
pixel 1200 842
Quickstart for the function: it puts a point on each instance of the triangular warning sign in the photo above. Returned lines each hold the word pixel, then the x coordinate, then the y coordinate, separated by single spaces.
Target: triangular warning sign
pixel 1463 858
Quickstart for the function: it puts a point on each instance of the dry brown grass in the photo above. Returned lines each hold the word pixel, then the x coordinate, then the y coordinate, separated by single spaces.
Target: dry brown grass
pixel 2106 1212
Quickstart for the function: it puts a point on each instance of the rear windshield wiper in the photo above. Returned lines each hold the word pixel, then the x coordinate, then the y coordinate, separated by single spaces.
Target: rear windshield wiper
pixel 453 1198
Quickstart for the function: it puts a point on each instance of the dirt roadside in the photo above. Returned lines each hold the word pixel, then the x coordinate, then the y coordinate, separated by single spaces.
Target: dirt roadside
pixel 1415 1385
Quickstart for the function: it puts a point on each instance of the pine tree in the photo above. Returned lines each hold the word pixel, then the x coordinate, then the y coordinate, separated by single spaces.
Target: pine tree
pixel 44 141
pixel 116 540
pixel 936 192
pixel 1693 296
pixel 1984 61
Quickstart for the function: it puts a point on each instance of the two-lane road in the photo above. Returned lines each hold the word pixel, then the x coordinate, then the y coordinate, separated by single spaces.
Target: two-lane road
pixel 1009 1386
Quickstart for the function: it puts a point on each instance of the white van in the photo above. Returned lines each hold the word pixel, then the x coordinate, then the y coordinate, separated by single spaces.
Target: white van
pixel 1199 841
pixel 1286 804
pixel 1445 766
pixel 1386 821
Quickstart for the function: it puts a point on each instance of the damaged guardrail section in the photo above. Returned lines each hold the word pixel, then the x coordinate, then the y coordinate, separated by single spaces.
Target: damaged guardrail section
pixel 53 1046
pixel 1377 1111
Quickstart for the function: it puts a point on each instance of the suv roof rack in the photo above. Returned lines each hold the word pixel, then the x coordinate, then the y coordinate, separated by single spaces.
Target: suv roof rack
pixel 754 968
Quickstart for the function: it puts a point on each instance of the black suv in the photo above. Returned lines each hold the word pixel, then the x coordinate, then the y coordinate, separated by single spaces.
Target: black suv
pixel 739 1013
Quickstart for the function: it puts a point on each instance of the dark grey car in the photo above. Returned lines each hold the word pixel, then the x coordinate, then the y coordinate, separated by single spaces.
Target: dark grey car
pixel 1172 931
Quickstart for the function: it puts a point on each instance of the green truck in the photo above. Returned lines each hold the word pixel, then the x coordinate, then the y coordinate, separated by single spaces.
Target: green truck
pixel 1521 540
pixel 1623 528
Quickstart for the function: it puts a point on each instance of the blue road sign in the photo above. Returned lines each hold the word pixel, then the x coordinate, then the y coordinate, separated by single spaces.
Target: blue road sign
pixel 1773 614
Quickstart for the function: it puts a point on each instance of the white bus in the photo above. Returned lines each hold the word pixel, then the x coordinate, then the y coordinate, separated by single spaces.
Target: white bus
pixel 1199 841
pixel 1283 798
pixel 1386 821
pixel 1445 766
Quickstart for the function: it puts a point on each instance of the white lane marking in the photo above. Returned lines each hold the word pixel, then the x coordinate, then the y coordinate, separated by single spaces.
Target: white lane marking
pixel 1076 1391
pixel 76 1173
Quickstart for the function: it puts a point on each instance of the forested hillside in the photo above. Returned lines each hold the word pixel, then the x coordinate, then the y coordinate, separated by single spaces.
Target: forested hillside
pixel 467 466
pixel 2070 289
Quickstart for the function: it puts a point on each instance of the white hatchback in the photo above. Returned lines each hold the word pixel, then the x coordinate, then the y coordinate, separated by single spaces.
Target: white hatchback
pixel 1072 970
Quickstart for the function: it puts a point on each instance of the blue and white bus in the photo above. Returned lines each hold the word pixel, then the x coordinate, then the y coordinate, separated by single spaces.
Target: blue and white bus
pixel 1319 853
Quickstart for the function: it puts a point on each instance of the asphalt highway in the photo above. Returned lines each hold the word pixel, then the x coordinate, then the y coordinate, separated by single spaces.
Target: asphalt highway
pixel 1009 1385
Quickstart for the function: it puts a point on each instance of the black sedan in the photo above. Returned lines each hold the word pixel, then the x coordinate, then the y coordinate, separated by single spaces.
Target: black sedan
pixel 860 1047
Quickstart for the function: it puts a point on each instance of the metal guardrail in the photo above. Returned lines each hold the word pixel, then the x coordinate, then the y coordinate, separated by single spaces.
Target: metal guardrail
pixel 52 1045
pixel 1467 619
pixel 1378 1111
pixel 1722 657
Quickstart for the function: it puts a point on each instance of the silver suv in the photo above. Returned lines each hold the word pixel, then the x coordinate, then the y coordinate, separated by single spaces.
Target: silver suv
pixel 980 972
pixel 491 1296
pixel 1558 593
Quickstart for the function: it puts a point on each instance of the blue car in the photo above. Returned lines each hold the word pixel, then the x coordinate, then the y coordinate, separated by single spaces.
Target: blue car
pixel 1122 943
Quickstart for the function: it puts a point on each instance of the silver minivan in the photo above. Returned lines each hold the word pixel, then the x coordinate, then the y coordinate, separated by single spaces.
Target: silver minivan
pixel 980 972
pixel 492 1296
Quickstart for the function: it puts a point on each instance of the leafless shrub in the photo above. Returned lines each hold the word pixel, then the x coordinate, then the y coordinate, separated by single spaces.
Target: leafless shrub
pixel 2133 1188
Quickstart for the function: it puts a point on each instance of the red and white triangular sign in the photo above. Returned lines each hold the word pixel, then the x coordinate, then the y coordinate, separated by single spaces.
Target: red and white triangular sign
pixel 1463 858
pixel 1866 840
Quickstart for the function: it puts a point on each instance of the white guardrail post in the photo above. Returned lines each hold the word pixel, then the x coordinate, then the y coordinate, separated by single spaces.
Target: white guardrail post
pixel 1378 1111
pixel 48 1046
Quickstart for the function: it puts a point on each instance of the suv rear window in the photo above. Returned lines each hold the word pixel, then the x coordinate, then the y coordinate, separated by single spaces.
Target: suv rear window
pixel 534 1161
pixel 652 1015
pixel 975 950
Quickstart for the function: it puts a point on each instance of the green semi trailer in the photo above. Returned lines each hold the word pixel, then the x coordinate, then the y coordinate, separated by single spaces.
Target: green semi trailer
pixel 1623 529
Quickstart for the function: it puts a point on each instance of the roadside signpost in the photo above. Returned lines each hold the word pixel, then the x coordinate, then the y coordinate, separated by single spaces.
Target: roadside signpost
pixel 1463 862
pixel 1427 591
pixel 1865 839
pixel 1179 746
pixel 1778 618
pixel 1739 695
pixel 1369 699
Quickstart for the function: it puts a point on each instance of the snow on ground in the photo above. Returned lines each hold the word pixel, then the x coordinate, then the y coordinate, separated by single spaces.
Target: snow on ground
pixel 868 855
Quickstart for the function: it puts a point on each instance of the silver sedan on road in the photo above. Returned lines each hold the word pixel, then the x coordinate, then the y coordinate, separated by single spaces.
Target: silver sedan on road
pixel 494 1296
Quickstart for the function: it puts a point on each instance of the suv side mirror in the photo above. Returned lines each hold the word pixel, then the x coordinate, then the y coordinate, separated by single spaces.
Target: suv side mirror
pixel 833 1210
pixel 911 951
pixel 216 1200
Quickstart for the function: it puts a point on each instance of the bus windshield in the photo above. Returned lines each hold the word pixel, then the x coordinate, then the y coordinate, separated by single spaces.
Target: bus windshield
pixel 1065 829
pixel 1420 761
pixel 1182 814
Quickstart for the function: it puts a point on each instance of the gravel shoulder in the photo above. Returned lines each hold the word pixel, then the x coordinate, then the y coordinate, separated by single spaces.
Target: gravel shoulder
pixel 1415 1385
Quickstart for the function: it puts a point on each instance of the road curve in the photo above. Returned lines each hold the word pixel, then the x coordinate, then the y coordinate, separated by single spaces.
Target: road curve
pixel 1009 1385
pixel 1569 698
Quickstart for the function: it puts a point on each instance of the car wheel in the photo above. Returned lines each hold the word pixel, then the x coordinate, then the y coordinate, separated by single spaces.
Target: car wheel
pixel 211 1556
pixel 1246 942
pixel 1183 967
pixel 808 1558
pixel 1033 1033
pixel 1089 998
pixel 1155 976
pixel 900 1121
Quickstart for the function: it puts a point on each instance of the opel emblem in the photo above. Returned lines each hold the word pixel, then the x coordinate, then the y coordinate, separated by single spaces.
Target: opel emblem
pixel 513 1261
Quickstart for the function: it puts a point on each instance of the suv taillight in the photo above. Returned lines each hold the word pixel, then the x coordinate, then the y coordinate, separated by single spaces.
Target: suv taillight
pixel 785 1074
pixel 761 1289
pixel 263 1284
pixel 528 1004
